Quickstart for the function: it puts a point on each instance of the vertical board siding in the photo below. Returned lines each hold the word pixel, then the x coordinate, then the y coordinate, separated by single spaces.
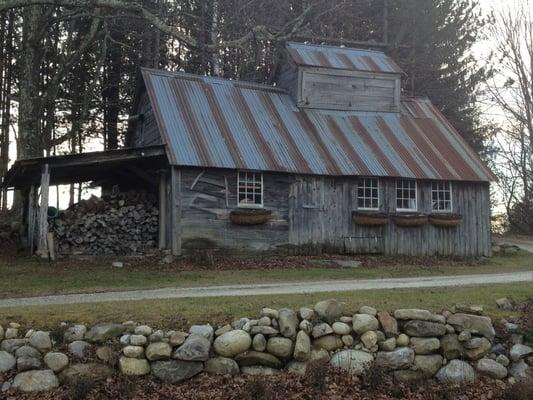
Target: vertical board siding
pixel 312 215
pixel 146 132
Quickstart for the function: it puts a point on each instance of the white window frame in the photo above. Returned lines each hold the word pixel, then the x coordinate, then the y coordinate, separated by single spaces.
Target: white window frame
pixel 450 190
pixel 416 195
pixel 254 180
pixel 367 198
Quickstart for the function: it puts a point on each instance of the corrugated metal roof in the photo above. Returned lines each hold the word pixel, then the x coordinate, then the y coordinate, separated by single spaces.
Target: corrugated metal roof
pixel 342 58
pixel 212 122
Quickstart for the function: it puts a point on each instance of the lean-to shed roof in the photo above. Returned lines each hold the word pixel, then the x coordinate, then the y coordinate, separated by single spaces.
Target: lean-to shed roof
pixel 341 58
pixel 213 122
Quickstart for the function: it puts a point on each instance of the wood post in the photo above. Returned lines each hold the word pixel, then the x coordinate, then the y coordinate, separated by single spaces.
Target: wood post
pixel 32 208
pixel 42 247
pixel 175 209
pixel 162 210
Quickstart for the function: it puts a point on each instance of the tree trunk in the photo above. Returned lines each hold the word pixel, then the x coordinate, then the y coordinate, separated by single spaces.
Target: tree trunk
pixel 111 92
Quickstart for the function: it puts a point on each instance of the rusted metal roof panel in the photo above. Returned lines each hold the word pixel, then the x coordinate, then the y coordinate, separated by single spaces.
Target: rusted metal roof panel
pixel 342 58
pixel 212 122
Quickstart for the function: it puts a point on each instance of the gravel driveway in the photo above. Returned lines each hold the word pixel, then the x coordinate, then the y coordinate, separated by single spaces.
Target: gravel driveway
pixel 274 288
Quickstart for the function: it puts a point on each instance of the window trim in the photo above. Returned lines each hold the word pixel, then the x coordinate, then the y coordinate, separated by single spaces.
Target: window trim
pixel 239 205
pixel 451 197
pixel 416 196
pixel 364 197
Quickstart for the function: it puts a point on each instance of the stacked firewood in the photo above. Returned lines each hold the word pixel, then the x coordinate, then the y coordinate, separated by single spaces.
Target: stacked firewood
pixel 119 224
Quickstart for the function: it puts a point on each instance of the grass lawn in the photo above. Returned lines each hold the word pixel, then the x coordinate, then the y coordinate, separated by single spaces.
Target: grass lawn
pixel 179 313
pixel 29 277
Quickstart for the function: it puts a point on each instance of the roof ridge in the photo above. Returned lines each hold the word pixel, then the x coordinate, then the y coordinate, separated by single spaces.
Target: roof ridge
pixel 337 47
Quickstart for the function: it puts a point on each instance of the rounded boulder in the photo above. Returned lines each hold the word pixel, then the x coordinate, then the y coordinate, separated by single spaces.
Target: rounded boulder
pixel 232 343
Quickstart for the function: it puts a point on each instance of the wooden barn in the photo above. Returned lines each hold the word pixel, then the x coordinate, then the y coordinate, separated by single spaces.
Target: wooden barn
pixel 331 158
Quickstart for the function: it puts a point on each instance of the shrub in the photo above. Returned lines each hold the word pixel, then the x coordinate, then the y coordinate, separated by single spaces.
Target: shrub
pixel 521 218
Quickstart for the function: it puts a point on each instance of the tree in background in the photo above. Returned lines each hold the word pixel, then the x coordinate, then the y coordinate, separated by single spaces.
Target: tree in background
pixel 77 62
pixel 512 92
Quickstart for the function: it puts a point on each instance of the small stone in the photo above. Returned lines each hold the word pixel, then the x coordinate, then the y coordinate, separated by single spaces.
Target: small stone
pixel 306 326
pixel 41 340
pixel 156 336
pixel 117 264
pixel 144 330
pixel 177 338
pixel 306 313
pixel 270 313
pixel 79 348
pixel 328 342
pixel 346 319
pixel 259 342
pixel 138 340
pixel 348 340
pixel 519 351
pixel 264 330
pixel 424 328
pixel 302 346
pixel 125 340
pixel 27 351
pixel 363 323
pixel 28 363
pixel 474 323
pixel 369 339
pixel 503 360
pixel 321 329
pixel 206 331
pixel 232 343
pixel 424 345
pixel 521 371
pixel 340 328
pixel 7 361
pixel 368 310
pixel 14 325
pixel 288 322
pixel 86 372
pixel 280 347
pixel 352 361
pixel 239 324
pixel 158 351
pixel 223 329
pixel 491 368
pixel 388 345
pixel 35 381
pixel 477 348
pixel 402 340
pixel 76 332
pixel 11 345
pixel 221 366
pixel 428 365
pixel 456 372
pixel 134 366
pixel 133 351
pixel 449 328
pixel 413 313
pixel 400 358
pixel 451 347
pixel 504 303
pixel 257 358
pixel 464 336
pixel 258 370
pixel 297 367
pixel 102 332
pixel 1 332
pixel 11 333
pixel 319 356
pixel 56 361
pixel 329 310
pixel 105 354
pixel 388 323
pixel 195 348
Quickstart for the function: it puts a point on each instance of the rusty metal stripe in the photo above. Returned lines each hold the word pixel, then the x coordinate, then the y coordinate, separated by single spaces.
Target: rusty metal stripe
pixel 222 124
pixel 346 61
pixel 293 149
pixel 189 119
pixel 404 154
pixel 372 64
pixel 449 151
pixel 251 125
pixel 369 141
pixel 296 56
pixel 321 58
pixel 310 128
pixel 444 169
pixel 347 147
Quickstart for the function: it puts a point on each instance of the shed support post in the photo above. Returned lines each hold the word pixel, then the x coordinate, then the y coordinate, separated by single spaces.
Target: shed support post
pixel 175 209
pixel 162 210
pixel 42 247
pixel 32 208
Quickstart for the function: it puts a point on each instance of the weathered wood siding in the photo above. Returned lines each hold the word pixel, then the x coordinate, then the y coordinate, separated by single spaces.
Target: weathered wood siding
pixel 146 132
pixel 208 196
pixel 348 90
pixel 320 215
pixel 312 214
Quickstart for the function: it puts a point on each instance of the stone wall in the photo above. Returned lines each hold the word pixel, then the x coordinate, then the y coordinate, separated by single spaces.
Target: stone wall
pixel 411 344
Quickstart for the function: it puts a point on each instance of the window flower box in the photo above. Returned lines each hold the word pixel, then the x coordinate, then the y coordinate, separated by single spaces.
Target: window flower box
pixel 250 216
pixel 445 220
pixel 369 218
pixel 410 219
